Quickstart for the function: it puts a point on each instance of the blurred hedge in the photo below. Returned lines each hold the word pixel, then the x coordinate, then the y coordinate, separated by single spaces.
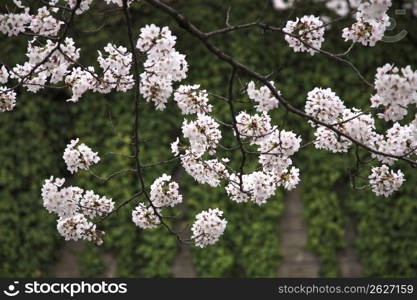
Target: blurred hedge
pixel 34 135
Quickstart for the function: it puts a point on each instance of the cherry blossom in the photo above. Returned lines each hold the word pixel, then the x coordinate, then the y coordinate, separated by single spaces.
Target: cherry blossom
pixel 208 227
pixel 164 192
pixel 305 32
pixel 79 156
pixel 145 217
pixel 384 181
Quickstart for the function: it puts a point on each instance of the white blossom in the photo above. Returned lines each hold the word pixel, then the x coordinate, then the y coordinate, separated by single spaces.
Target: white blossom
pixel 192 100
pixel 93 205
pixel 204 171
pixel 44 23
pixel 80 82
pixel 371 22
pixel 83 6
pixel 79 156
pixel 163 66
pixel 395 90
pixel 203 134
pixel 324 105
pixel 305 34
pixel 263 96
pixel 276 149
pixel 14 23
pixel 60 200
pixel 208 227
pixel 257 187
pixel 77 227
pixel 115 63
pixel 384 181
pixel 255 127
pixel 7 99
pixel 145 217
pixel 289 178
pixel 164 192
pixel 4 75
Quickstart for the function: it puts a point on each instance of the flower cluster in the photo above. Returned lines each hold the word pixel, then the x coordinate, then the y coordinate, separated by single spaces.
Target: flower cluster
pixel 72 205
pixel 145 217
pixel 7 99
pixel 208 227
pixel 4 74
pixel 277 149
pixel 257 187
pixel 384 181
pixel 191 100
pixel 395 90
pixel 93 205
pixel 54 64
pixel 305 34
pixel 263 96
pixel 164 192
pixel 371 22
pixel 14 23
pixel 203 134
pixel 83 5
pixel 253 127
pixel 79 157
pixel 163 66
pixel 324 105
pixel 80 82
pixel 204 171
pixel 399 140
pixel 115 65
pixel 77 228
pixel 44 23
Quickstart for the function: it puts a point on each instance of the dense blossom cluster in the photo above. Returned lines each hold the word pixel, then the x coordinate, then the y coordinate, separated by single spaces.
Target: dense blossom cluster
pixel 79 156
pixel 73 205
pixel 14 23
pixel 115 64
pixel 77 228
pixel 191 100
pixel 145 217
pixel 384 181
pixel 263 96
pixel 305 34
pixel 7 99
pixel 371 22
pixel 203 134
pixel 164 192
pixel 204 171
pixel 49 62
pixel 257 187
pixel 395 90
pixel 399 140
pixel 253 127
pixel 208 227
pixel 324 105
pixel 163 66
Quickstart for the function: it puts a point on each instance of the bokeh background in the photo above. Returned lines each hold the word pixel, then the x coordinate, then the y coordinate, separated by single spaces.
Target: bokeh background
pixel 324 228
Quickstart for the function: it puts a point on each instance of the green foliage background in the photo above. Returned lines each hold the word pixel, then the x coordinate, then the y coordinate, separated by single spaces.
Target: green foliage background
pixel 34 135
